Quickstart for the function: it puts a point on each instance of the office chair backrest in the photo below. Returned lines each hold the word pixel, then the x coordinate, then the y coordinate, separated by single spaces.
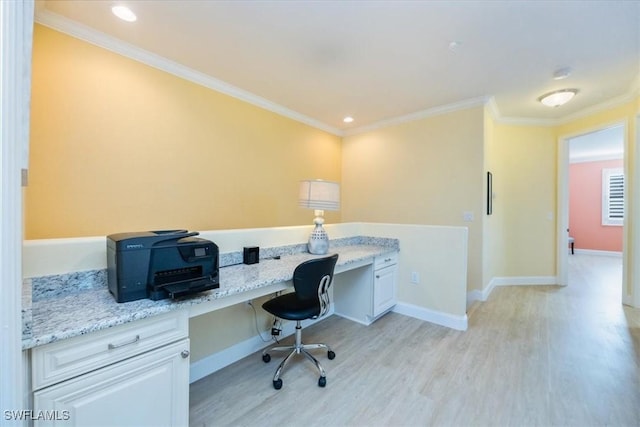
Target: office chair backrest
pixel 311 280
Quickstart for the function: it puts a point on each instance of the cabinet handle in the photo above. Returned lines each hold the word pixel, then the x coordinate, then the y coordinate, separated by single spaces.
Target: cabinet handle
pixel 377 276
pixel 133 341
pixel 387 260
pixel 185 354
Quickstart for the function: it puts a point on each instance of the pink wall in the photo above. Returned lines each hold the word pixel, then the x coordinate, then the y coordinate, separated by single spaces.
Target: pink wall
pixel 585 208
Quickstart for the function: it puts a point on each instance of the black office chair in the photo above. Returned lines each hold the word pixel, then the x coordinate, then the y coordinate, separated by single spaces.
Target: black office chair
pixel 311 281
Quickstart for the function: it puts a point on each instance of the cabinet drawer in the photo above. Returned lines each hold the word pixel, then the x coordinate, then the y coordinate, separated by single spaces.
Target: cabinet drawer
pixel 385 260
pixel 71 357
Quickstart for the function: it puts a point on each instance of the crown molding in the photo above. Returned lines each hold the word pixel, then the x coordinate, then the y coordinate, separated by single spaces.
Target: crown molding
pixel 97 38
pixel 598 108
pixel 633 93
pixel 92 36
pixel 436 111
pixel 596 158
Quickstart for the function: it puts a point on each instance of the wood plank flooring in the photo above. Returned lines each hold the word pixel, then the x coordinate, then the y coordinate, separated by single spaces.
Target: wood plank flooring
pixel 532 356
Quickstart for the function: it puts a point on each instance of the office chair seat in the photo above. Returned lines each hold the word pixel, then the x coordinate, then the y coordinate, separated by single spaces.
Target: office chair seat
pixel 290 307
pixel 311 281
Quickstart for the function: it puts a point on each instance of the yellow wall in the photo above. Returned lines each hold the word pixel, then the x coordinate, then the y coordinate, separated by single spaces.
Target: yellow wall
pixel 119 146
pixel 519 238
pixel 427 171
pixel 493 230
pixel 523 225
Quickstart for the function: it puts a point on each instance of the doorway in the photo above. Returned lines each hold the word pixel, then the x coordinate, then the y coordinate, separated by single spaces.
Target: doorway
pixel 592 199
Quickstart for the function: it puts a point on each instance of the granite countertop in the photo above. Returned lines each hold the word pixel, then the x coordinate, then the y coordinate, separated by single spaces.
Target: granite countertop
pixel 68 305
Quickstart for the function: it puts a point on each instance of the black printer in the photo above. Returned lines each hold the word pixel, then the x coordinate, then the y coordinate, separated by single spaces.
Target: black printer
pixel 160 264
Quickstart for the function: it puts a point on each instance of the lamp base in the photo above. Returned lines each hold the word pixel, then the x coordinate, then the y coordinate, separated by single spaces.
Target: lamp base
pixel 318 241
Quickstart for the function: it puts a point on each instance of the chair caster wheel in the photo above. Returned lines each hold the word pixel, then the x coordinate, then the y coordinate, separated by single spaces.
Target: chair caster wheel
pixel 277 384
pixel 322 381
pixel 331 355
pixel 266 358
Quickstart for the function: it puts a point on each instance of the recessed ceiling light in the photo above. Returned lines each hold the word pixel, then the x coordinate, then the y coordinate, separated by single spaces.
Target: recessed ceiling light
pixel 124 13
pixel 348 119
pixel 558 97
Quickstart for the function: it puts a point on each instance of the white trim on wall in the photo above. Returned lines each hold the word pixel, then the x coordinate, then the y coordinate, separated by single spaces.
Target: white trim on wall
pixel 523 281
pixel 90 35
pixel 419 115
pixel 483 295
pixel 597 158
pixel 613 254
pixel 459 323
pixel 562 213
pixel 631 274
pixel 16 33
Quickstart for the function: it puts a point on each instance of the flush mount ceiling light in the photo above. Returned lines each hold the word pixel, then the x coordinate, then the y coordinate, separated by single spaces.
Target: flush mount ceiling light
pixel 124 13
pixel 558 97
pixel 348 119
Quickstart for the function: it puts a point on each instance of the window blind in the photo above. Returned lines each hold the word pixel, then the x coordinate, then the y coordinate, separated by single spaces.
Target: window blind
pixel 612 196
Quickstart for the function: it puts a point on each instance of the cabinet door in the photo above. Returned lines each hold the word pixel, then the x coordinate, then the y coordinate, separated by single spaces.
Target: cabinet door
pixel 151 389
pixel 384 289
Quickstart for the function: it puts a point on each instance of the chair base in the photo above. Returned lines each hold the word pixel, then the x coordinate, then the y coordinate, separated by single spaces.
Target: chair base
pixel 298 348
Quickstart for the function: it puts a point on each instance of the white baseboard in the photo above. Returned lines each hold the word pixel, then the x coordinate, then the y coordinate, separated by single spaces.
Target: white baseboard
pixel 480 295
pixel 483 295
pixel 226 357
pixel 523 281
pixel 598 253
pixel 459 323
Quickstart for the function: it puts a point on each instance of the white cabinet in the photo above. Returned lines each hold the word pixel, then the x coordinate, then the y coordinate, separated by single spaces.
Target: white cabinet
pixel 384 290
pixel 131 375
pixel 147 390
pixel 384 283
pixel 365 294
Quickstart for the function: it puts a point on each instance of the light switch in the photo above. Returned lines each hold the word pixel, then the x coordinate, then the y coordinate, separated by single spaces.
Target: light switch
pixel 415 277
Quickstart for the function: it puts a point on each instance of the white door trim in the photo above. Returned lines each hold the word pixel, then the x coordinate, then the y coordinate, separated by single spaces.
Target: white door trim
pixel 16 35
pixel 563 211
pixel 632 274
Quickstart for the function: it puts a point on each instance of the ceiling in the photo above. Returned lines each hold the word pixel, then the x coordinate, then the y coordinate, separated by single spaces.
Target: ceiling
pixel 603 144
pixel 379 61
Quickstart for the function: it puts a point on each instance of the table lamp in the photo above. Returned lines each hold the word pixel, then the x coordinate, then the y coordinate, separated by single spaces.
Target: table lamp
pixel 319 195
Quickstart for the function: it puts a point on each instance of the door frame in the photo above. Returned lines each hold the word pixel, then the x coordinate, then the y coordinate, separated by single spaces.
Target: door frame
pixel 632 279
pixel 563 210
pixel 16 35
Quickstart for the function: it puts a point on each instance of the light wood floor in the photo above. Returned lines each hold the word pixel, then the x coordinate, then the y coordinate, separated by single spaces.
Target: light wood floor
pixel 533 355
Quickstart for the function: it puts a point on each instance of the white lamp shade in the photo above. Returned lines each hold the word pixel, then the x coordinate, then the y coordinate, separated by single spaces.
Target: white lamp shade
pixel 319 194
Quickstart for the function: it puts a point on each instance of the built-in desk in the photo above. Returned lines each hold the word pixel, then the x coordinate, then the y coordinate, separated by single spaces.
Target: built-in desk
pixel 86 349
pixel 64 306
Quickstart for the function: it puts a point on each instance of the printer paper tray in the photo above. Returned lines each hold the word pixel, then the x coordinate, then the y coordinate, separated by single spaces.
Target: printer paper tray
pixel 182 288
